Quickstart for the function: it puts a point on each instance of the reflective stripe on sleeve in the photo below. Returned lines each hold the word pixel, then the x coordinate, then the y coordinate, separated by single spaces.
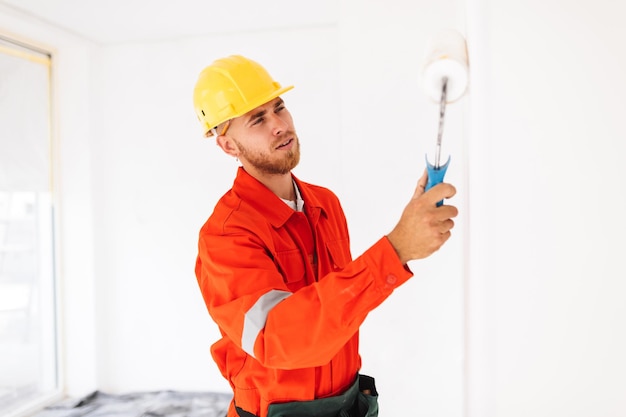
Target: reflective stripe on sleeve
pixel 256 317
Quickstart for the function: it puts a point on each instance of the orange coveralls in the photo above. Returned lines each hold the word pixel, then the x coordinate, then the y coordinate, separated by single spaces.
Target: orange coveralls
pixel 286 294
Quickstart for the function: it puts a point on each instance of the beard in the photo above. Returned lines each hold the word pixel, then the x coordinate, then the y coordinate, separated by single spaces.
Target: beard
pixel 264 163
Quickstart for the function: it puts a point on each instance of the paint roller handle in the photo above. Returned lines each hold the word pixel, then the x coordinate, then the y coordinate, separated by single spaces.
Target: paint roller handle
pixel 435 175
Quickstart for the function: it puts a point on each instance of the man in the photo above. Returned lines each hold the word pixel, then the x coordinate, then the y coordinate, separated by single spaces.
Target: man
pixel 274 263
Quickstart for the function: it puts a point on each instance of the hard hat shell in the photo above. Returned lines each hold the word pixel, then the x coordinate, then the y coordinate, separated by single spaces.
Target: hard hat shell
pixel 230 87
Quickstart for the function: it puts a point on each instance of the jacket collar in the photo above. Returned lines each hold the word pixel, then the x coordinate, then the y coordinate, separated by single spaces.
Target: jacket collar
pixel 259 197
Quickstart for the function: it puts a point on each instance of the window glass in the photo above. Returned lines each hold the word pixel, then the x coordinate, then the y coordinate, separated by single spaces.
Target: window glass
pixel 28 332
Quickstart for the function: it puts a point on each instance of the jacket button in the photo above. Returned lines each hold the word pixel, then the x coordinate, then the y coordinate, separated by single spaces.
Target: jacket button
pixel 391 279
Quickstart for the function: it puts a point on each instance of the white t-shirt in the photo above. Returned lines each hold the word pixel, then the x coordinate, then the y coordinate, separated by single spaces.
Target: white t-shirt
pixel 297 205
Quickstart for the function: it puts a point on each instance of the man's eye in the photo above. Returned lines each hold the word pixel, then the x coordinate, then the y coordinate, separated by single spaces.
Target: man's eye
pixel 280 108
pixel 257 121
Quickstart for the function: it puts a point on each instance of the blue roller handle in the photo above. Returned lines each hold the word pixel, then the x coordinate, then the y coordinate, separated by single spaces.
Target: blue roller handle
pixel 435 175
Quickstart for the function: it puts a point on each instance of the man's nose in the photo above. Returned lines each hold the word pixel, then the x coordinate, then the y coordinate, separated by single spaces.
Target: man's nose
pixel 278 125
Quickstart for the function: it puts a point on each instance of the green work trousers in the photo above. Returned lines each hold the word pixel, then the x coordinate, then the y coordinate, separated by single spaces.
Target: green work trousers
pixel 352 403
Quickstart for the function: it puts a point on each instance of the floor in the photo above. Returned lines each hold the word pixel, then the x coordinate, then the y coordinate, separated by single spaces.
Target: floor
pixel 142 404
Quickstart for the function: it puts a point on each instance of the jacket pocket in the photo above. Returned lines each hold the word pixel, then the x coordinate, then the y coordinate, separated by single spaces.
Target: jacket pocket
pixel 339 253
pixel 292 269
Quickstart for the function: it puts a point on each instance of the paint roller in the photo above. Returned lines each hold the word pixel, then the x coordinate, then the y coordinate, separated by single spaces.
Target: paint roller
pixel 444 80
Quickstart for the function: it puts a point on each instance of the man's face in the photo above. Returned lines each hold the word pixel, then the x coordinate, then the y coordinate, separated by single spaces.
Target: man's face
pixel 266 139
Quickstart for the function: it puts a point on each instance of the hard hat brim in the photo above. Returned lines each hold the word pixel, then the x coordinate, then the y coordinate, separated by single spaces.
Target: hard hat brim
pixel 261 101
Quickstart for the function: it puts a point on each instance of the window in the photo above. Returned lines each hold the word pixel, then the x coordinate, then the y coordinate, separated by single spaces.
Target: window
pixel 28 332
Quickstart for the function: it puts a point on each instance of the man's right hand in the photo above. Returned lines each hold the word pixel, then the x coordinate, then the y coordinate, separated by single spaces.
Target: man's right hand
pixel 423 227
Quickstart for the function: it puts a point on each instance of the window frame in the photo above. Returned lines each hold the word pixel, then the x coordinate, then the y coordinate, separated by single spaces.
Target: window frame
pixel 13 45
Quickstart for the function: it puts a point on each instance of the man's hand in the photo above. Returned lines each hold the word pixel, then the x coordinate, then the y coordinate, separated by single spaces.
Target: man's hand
pixel 424 227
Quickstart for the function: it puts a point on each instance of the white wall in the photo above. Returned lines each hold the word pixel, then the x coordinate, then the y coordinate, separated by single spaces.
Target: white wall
pixel 546 301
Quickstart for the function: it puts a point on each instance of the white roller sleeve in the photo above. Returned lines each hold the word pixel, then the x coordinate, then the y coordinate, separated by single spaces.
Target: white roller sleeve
pixel 446 56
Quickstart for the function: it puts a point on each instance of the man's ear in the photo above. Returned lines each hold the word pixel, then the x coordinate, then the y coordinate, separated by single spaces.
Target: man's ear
pixel 227 145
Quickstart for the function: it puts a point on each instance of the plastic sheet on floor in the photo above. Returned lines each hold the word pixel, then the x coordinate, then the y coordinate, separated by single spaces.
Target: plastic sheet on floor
pixel 142 404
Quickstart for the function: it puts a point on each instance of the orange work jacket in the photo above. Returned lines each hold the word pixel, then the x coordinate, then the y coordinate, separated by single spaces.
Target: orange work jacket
pixel 286 294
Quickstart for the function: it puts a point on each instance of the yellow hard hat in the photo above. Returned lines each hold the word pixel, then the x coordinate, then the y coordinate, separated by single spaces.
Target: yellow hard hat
pixel 230 87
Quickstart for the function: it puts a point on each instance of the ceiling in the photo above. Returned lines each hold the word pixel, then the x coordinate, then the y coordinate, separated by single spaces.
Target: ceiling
pixel 117 21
